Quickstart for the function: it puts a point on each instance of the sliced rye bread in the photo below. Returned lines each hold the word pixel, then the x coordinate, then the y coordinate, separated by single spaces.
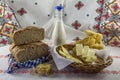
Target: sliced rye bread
pixel 27 35
pixel 30 51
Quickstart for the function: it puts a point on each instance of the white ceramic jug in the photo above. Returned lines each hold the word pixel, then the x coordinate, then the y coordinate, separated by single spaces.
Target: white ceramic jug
pixel 59 34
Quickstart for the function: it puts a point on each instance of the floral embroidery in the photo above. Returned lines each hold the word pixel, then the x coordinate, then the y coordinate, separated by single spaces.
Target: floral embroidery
pixel 101 2
pixel 8 24
pixel 76 24
pixel 7 29
pixel 106 33
pixel 109 21
pixel 4 41
pixel 98 18
pixel 115 7
pixel 2 11
pixel 99 10
pixel 9 16
pixel 114 41
pixel 76 39
pixel 22 11
pixel 106 16
pixel 112 25
pixel 79 5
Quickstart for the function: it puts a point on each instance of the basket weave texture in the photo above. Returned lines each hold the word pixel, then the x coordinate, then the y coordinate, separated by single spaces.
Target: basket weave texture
pixel 88 67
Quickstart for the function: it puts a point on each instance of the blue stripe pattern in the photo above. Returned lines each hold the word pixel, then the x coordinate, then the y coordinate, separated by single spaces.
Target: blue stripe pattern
pixel 14 65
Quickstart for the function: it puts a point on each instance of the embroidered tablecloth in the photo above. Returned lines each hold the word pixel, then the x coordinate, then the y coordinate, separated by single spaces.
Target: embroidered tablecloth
pixel 78 15
pixel 110 73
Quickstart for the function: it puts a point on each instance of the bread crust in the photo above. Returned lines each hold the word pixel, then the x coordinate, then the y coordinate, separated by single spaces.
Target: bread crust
pixel 28 35
pixel 30 51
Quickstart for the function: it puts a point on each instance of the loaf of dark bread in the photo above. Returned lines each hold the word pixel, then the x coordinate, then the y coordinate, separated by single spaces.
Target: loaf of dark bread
pixel 28 35
pixel 30 51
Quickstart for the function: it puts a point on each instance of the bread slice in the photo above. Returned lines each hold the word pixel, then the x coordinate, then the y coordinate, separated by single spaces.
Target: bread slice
pixel 28 35
pixel 30 51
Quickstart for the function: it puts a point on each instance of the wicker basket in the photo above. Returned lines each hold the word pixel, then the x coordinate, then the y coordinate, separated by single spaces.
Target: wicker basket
pixel 88 67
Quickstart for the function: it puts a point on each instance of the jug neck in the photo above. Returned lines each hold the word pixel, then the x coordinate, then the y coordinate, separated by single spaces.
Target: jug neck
pixel 59 12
